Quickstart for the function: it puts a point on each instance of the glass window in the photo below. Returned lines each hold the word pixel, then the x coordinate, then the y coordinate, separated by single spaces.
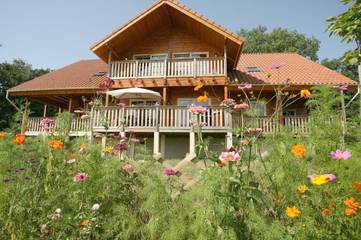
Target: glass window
pixel 259 108
pixel 141 103
pixel 161 56
pixel 186 102
pixel 190 55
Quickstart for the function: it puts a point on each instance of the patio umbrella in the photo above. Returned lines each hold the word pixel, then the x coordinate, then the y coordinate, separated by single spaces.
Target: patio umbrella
pixel 139 93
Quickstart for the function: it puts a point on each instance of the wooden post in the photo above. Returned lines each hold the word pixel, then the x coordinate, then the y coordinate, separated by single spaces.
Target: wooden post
pixel 106 100
pixel 70 107
pixel 60 110
pixel 165 96
pixel 343 117
pixel 45 110
pixel 109 63
pixel 225 57
pixel 192 143
pixel 225 92
pixel 156 147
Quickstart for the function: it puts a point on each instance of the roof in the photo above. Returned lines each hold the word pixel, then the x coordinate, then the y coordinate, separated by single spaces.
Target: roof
pixel 292 68
pixel 165 13
pixel 299 71
pixel 79 75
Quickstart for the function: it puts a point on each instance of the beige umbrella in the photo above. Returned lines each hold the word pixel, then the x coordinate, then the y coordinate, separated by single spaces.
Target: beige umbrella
pixel 138 93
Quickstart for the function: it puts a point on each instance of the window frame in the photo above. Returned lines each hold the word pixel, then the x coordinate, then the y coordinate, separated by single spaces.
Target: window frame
pixel 190 55
pixel 194 100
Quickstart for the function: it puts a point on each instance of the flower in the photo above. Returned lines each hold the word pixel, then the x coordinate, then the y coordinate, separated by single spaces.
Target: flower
pixel 244 141
pixel 229 103
pixel 108 149
pixel 202 124
pixel 71 155
pixel 245 86
pixel 198 87
pixel 221 164
pixel 277 65
pixel 71 161
pixel 350 212
pixel 331 177
pixel 357 185
pixel 305 93
pixel 241 106
pixel 82 148
pixel 254 130
pixel 2 135
pixel 19 139
pixel 95 207
pixel 85 117
pixel 134 140
pixel 343 87
pixel 56 215
pixel 197 109
pixel 47 124
pixel 80 177
pixel 203 98
pixel 129 168
pixel 169 171
pixel 229 156
pixel 56 144
pixel 121 146
pixel 293 212
pixel 302 189
pixel 84 222
pixel 351 202
pixel 298 150
pixel 340 155
pixel 322 179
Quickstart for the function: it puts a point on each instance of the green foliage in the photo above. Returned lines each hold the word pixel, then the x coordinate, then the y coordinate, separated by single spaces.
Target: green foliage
pixel 279 40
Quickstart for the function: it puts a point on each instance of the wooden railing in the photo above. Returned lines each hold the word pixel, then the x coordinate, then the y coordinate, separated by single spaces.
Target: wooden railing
pixel 167 68
pixel 172 119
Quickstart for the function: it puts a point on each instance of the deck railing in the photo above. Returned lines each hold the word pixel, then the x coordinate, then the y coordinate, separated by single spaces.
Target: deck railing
pixel 196 67
pixel 171 119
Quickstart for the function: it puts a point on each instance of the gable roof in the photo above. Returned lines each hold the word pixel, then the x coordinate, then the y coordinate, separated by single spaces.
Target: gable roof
pixel 162 12
pixel 79 75
pixel 294 68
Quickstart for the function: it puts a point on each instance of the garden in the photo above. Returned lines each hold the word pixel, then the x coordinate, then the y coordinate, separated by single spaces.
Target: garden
pixel 276 186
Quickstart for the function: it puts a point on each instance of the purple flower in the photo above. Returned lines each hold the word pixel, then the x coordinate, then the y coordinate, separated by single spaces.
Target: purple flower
pixel 80 177
pixel 169 171
pixel 331 177
pixel 121 146
pixel 245 86
pixel 340 155
pixel 277 65
pixel 47 124
pixel 343 88
pixel 26 178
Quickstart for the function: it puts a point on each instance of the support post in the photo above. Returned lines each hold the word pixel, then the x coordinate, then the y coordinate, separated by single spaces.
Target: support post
pixel 165 96
pixel 343 117
pixel 225 57
pixel 106 100
pixel 60 110
pixel 192 143
pixel 70 107
pixel 45 110
pixel 229 140
pixel 225 92
pixel 156 146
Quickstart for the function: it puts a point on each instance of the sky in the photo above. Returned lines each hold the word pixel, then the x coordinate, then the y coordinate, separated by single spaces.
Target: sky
pixel 55 33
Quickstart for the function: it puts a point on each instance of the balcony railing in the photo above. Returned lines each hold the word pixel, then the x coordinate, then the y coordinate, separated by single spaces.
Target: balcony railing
pixel 171 119
pixel 198 67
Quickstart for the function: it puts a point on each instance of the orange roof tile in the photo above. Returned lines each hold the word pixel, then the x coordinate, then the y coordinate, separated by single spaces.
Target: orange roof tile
pixel 79 75
pixel 294 68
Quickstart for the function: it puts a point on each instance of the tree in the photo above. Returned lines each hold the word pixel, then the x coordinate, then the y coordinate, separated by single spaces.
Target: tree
pixel 12 74
pixel 341 66
pixel 279 40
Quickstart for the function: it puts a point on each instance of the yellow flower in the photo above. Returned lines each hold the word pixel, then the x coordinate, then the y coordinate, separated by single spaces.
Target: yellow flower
pixel 108 149
pixel 2 135
pixel 198 87
pixel 85 222
pixel 319 180
pixel 302 189
pixel 293 212
pixel 298 150
pixel 305 93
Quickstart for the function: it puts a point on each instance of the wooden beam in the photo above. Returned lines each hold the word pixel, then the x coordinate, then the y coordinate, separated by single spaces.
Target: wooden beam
pixel 225 57
pixel 45 110
pixel 225 92
pixel 70 104
pixel 165 96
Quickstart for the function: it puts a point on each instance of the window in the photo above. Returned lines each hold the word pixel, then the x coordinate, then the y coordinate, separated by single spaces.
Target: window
pixel 186 102
pixel 259 108
pixel 142 103
pixel 190 55
pixel 253 69
pixel 289 112
pixel 160 56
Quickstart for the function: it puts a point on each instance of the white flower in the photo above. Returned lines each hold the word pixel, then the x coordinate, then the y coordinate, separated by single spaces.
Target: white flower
pixel 95 207
pixel 71 161
pixel 58 210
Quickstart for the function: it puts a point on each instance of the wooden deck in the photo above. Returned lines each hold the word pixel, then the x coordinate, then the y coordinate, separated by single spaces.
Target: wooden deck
pixel 169 119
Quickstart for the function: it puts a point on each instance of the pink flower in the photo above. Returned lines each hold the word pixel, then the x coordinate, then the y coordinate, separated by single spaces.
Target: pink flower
pixel 202 124
pixel 121 104
pixel 169 171
pixel 245 141
pixel 343 87
pixel 245 86
pixel 229 156
pixel 47 124
pixel 277 65
pixel 80 177
pixel 331 177
pixel 340 155
pixel 197 109
pixel 134 140
pixel 85 117
pixel 129 168
pixel 254 130
pixel 131 132
pixel 56 215
pixel 241 106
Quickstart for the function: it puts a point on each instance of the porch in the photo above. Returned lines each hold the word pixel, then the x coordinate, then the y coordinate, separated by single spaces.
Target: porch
pixel 170 119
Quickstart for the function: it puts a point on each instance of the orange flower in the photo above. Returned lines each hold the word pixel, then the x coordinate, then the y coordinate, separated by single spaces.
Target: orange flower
pixel 198 87
pixel 19 139
pixel 278 199
pixel 327 211
pixel 357 185
pixel 85 222
pixel 71 155
pixel 350 212
pixel 221 164
pixel 305 94
pixel 352 203
pixel 298 150
pixel 203 98
pixel 2 135
pixel 293 212
pixel 56 144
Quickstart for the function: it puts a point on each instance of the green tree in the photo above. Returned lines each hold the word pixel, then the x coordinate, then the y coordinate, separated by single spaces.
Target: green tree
pixel 341 66
pixel 12 74
pixel 259 40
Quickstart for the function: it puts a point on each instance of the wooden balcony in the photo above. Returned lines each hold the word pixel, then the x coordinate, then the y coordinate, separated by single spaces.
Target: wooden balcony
pixel 198 67
pixel 170 119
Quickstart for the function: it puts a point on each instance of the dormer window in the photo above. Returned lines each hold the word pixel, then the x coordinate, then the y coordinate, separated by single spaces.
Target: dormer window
pixel 252 69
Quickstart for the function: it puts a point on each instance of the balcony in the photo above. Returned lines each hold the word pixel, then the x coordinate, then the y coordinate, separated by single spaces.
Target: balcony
pixel 170 119
pixel 168 68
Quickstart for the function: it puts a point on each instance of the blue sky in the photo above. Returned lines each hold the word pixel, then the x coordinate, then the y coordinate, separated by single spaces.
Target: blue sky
pixel 54 33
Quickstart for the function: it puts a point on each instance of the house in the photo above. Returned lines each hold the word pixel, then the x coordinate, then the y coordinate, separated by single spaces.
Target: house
pixel 170 49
